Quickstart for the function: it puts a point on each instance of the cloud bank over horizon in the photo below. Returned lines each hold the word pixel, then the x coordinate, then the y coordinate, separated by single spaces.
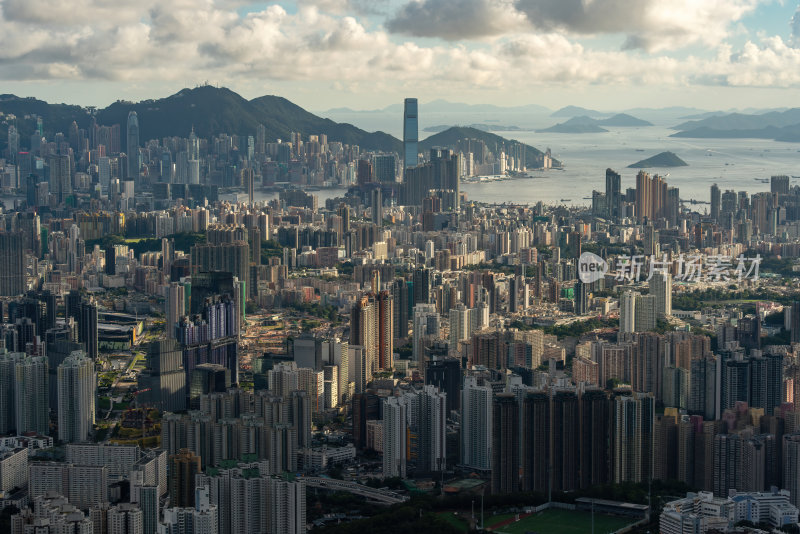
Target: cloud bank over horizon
pixel 427 46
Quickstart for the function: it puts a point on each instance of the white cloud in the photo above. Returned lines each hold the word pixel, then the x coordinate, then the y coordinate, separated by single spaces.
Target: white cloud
pixel 652 25
pixel 206 39
pixel 795 24
pixel 457 20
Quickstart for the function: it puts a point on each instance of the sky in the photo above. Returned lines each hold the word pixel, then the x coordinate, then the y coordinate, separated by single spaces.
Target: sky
pixel 367 54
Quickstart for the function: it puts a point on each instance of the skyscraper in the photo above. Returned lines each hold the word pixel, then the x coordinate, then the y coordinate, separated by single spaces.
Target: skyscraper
pixel 31 395
pixel 794 322
pixel 394 437
pixel 8 362
pixel 536 431
pixel 431 431
pixel 426 326
pixel 791 466
pixel 715 203
pixel 594 439
pixel 183 468
pixel 476 425
pixel 410 133
pixel 76 397
pixel 613 194
pixel 661 289
pixel 149 504
pixel 383 166
pixel 87 328
pixel 175 307
pixel 12 264
pixel 60 176
pixel 248 182
pixel 133 145
pixel 163 383
pixel 633 437
pixel 376 209
pixel 505 444
pixel 637 312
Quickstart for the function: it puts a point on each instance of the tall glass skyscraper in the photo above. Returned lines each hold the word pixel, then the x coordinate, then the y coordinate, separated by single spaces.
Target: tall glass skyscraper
pixel 133 145
pixel 410 133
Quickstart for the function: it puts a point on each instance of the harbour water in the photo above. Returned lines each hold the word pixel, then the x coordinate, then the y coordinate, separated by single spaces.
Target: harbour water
pixel 738 164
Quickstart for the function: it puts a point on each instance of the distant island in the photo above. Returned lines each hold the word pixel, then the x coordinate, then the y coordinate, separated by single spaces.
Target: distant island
pixel 572 111
pixel 586 124
pixel 664 159
pixel 576 125
pixel 624 120
pixel 777 125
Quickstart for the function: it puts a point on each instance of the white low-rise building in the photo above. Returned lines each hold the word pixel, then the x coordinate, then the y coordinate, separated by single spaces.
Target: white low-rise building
pixel 700 512
pixel 322 457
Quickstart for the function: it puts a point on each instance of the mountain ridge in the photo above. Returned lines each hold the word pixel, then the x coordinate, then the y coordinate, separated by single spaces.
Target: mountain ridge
pixel 211 111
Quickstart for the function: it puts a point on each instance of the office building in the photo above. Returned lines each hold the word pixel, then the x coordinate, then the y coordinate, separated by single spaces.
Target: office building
pixel 716 204
pixel 132 132
pixel 208 378
pixel 613 194
pixel 410 133
pixel 384 168
pixel 87 329
pixel 163 383
pixel 175 305
pixel 445 374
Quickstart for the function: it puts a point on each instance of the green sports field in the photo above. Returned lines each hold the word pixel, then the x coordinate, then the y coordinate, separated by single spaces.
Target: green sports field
pixel 458 522
pixel 557 521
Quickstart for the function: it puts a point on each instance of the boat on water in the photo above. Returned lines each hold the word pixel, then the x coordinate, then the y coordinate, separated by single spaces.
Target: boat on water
pixel 566 200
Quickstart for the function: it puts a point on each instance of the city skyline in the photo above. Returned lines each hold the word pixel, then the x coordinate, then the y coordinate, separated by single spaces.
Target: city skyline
pixel 321 54
pixel 221 315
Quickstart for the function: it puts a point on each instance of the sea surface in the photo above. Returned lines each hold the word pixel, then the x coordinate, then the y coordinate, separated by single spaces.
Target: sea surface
pixel 737 164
